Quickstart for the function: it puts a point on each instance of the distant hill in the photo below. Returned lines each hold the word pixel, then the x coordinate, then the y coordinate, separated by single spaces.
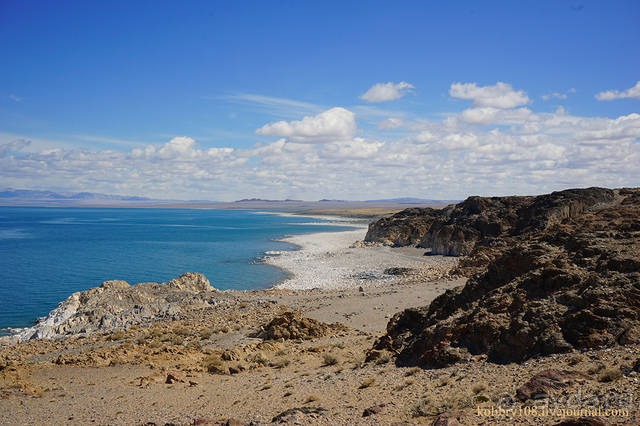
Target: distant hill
pixel 409 200
pixel 262 200
pixel 46 198
pixel 17 197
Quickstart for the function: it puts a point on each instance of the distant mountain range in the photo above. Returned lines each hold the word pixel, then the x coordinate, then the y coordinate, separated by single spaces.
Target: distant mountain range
pixel 10 196
pixel 27 197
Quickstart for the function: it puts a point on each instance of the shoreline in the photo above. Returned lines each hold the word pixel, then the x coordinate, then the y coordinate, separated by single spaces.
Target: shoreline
pixel 338 260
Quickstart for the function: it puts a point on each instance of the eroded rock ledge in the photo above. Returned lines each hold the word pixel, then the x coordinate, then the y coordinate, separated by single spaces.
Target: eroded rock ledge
pixel 481 221
pixel 565 276
pixel 116 304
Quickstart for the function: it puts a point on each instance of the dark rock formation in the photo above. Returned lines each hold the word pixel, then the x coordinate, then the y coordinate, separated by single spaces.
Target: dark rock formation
pixel 567 277
pixel 292 325
pixel 480 221
pixel 404 228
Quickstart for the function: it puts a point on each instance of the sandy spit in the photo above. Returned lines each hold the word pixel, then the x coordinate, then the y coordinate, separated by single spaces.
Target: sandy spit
pixel 330 260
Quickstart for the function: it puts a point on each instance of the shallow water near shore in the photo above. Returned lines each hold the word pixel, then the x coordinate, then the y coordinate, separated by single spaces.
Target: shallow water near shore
pixel 48 253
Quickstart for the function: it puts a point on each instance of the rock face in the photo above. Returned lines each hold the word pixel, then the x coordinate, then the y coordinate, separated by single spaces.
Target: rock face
pixel 479 221
pixel 404 228
pixel 566 276
pixel 116 304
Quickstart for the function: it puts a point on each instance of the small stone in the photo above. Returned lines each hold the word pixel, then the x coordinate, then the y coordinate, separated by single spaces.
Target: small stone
pixel 174 377
pixel 373 410
pixel 449 419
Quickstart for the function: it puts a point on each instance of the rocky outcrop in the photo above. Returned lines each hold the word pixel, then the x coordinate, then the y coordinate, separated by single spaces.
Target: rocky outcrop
pixel 292 325
pixel 405 228
pixel 116 304
pixel 567 277
pixel 484 221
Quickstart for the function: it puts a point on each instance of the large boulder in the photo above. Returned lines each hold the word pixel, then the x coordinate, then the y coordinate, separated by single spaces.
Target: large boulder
pixel 292 325
pixel 191 281
pixel 571 282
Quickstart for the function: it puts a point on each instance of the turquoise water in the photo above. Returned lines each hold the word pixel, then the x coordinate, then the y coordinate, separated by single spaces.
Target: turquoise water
pixel 48 253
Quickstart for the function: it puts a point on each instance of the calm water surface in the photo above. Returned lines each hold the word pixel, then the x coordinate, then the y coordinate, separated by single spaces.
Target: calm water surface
pixel 48 253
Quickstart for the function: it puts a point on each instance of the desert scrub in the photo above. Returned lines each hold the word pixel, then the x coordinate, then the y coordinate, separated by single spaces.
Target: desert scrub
pixel 576 359
pixel 281 363
pixel 424 408
pixel 412 371
pixel 478 387
pixel 595 369
pixel 384 359
pixel 329 359
pixel 213 363
pixel 181 330
pixel 205 334
pixel 116 335
pixel 260 358
pixel 311 398
pixel 176 340
pixel 367 383
pixel 610 375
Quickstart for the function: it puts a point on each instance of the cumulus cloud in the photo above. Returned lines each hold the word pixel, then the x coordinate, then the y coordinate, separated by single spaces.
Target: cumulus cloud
pixel 557 95
pixel 358 148
pixel 334 124
pixel 390 123
pixel 489 115
pixel 385 92
pixel 500 95
pixel 14 146
pixel 610 95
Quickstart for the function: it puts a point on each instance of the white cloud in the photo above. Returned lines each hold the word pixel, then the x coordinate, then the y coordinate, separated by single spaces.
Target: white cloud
pixel 274 105
pixel 335 124
pixel 15 98
pixel 500 95
pixel 610 95
pixel 385 92
pixel 390 123
pixel 358 148
pixel 624 127
pixel 486 150
pixel 489 115
pixel 425 137
pixel 557 95
pixel 14 146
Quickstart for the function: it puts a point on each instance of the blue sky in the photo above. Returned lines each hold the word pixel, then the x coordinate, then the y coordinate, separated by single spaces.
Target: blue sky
pixel 92 92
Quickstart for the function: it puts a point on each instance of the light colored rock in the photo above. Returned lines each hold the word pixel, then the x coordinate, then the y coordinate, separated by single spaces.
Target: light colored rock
pixel 191 281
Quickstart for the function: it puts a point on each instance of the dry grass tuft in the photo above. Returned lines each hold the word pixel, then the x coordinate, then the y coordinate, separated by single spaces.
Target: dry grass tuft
pixel 367 382
pixel 329 359
pixel 610 375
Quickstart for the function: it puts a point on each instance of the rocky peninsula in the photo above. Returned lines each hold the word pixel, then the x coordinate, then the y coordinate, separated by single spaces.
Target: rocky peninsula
pixel 529 305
